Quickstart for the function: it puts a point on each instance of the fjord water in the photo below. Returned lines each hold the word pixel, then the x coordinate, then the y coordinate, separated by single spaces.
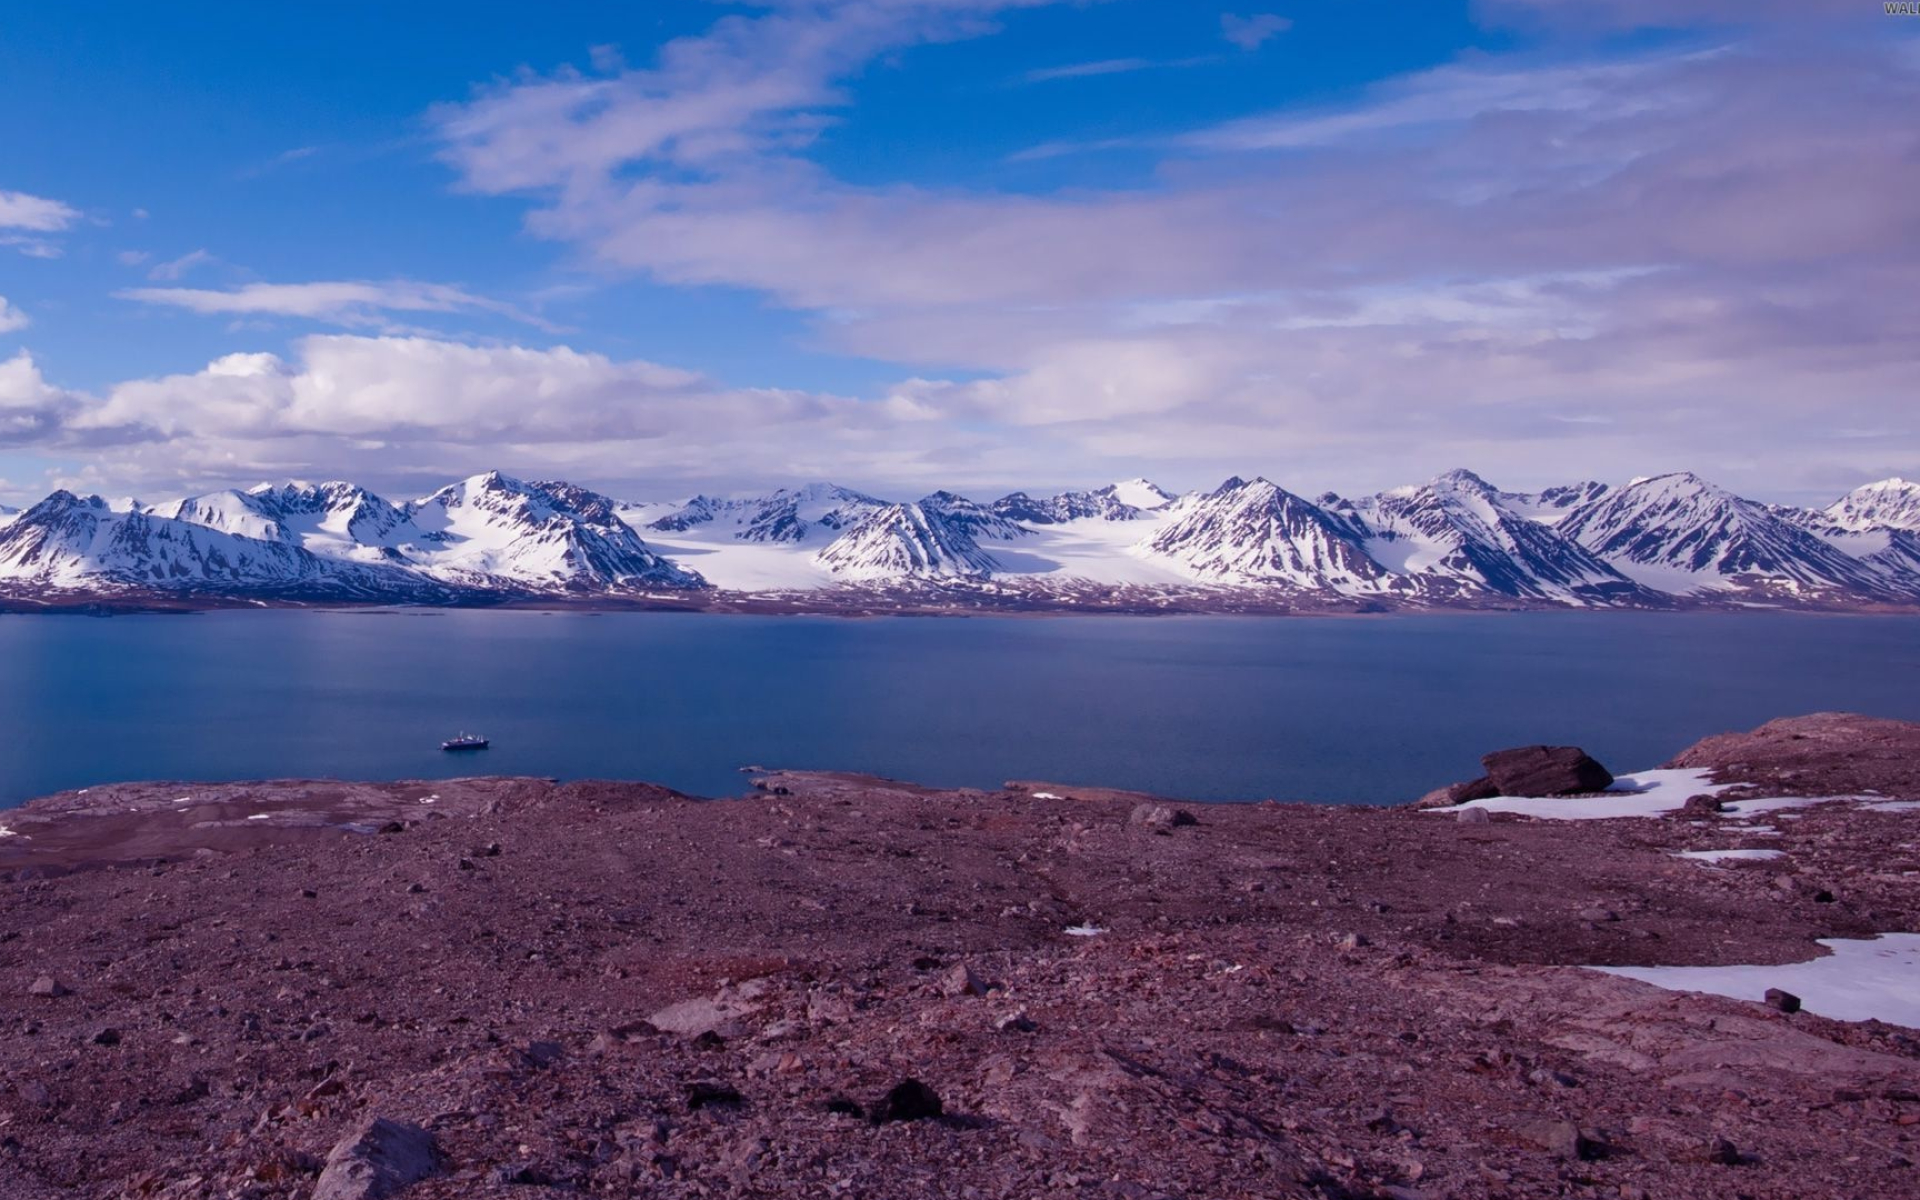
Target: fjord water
pixel 1337 709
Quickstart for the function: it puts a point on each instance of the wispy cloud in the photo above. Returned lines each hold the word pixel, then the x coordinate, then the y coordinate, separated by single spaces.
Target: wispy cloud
pixel 35 218
pixel 345 302
pixel 1250 33
pixel 11 318
pixel 179 267
pixel 1079 70
pixel 285 158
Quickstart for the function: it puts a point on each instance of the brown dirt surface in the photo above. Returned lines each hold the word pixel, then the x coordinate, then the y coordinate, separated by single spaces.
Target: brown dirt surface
pixel 1284 1000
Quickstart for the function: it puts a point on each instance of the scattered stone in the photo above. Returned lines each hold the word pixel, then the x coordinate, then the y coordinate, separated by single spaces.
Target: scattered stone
pixel 47 986
pixel 723 1016
pixel 1545 771
pixel 1161 816
pixel 1598 915
pixel 108 1036
pixel 1785 1001
pixel 544 1054
pixel 1702 806
pixel 1474 816
pixel 910 1100
pixel 845 1106
pixel 376 1159
pixel 1724 1153
pixel 1563 1139
pixel 960 980
pixel 1015 1022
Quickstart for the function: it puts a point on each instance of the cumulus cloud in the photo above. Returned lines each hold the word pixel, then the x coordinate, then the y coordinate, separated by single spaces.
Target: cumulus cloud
pixel 399 412
pixel 346 302
pixel 18 210
pixel 11 318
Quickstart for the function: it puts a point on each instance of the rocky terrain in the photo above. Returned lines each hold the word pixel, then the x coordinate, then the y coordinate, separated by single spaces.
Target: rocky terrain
pixel 839 986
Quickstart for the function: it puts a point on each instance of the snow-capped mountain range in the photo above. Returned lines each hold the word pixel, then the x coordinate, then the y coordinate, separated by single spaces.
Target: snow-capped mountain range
pixel 1455 540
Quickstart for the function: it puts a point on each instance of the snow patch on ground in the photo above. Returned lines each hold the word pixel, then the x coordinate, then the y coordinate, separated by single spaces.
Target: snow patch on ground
pixel 1084 930
pixel 1654 794
pixel 1713 856
pixel 1642 794
pixel 1863 979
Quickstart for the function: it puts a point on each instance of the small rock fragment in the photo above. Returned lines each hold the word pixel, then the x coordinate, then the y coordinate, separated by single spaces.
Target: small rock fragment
pixel 1015 1022
pixel 960 980
pixel 1160 816
pixel 1562 1138
pixel 1723 1152
pixel 1785 1001
pixel 1474 816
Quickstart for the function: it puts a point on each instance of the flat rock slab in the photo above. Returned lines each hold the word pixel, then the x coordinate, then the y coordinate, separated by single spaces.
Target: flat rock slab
pixel 1545 771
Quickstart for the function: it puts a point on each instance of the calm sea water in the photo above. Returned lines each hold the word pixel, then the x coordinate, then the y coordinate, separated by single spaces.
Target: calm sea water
pixel 1343 710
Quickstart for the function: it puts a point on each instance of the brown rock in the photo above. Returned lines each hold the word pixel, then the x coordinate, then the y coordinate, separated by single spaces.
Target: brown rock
pixel 1786 1002
pixel 1545 771
pixel 1458 793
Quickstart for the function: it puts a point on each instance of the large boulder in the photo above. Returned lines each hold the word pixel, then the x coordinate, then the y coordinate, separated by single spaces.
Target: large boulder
pixel 1545 771
pixel 378 1158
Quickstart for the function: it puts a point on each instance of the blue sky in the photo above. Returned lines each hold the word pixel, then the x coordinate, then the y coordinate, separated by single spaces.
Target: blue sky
pixel 977 243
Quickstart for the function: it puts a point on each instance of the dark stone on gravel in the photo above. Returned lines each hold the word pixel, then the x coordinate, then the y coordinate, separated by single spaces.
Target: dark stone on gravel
pixel 1545 771
pixel 910 1100
pixel 376 1159
pixel 1724 1153
pixel 1563 1139
pixel 1786 1002
pixel 843 1106
pixel 707 1094
pixel 1702 806
pixel 105 1037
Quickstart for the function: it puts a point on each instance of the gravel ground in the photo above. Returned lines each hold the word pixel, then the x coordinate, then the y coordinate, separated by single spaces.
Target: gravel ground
pixel 610 989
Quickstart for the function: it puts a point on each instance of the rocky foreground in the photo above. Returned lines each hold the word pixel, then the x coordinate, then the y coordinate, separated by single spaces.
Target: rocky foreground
pixel 849 987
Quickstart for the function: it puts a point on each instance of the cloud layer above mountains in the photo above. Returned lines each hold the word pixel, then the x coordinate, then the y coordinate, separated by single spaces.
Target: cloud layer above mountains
pixel 1593 256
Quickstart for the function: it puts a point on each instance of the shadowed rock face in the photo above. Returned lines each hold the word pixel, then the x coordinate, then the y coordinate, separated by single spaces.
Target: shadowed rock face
pixel 1278 1000
pixel 377 1158
pixel 1545 771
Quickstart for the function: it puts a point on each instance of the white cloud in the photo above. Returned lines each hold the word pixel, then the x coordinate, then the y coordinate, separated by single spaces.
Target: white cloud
pixel 11 318
pixel 1079 70
pixel 1250 33
pixel 344 302
pixel 18 210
